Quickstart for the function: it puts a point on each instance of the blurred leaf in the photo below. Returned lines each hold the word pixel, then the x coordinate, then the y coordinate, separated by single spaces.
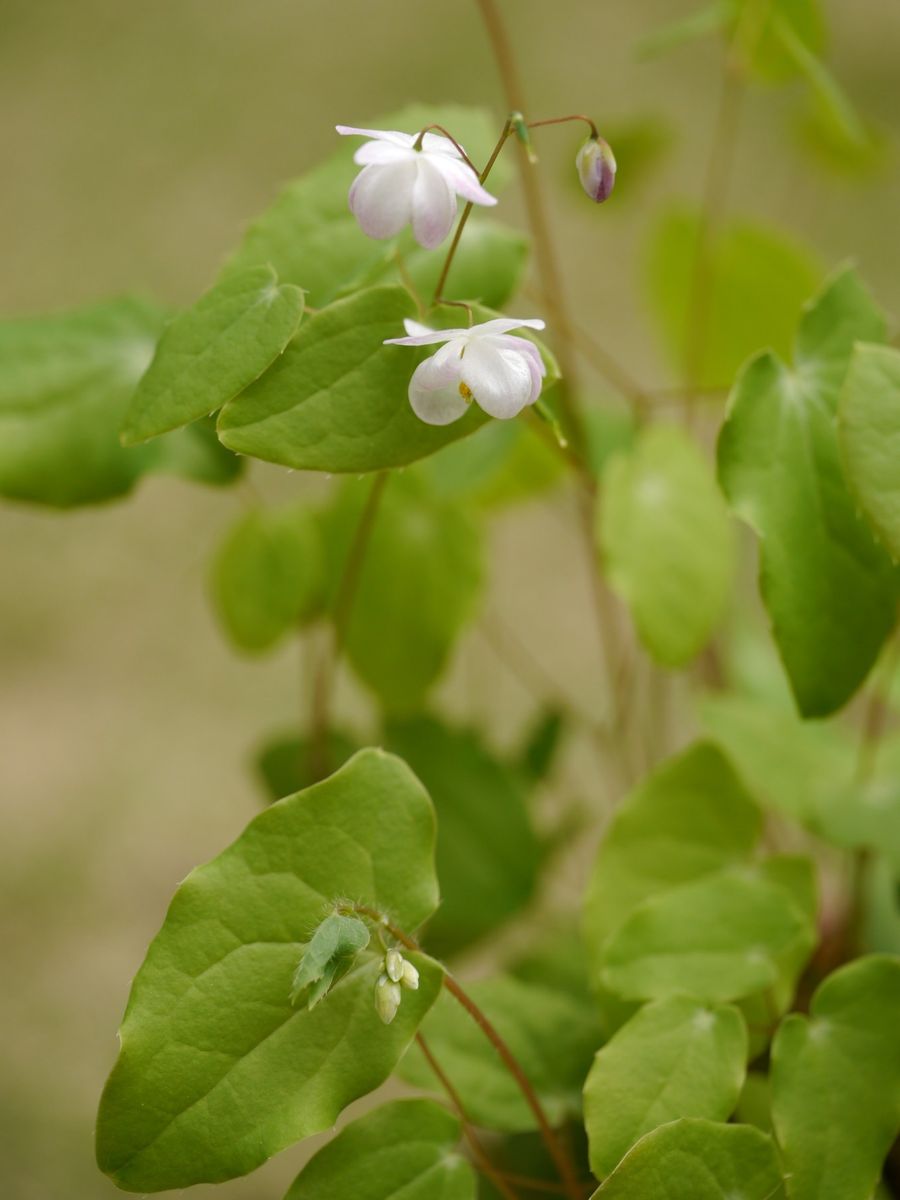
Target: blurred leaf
pixel 836 1083
pixel 336 400
pixel 609 431
pixel 720 937
pixel 667 542
pixel 712 18
pixel 217 1071
pixel 859 149
pixel 418 584
pixel 869 433
pixel 698 1160
pixel 541 745
pixel 211 352
pixel 777 36
pixel 487 850
pixel 674 1058
pixel 65 382
pixel 759 280
pixel 404 1149
pixel 195 453
pixel 755 1104
pixel 487 267
pixel 310 236
pixel 690 818
pixel 267 575
pixel 552 1036
pixel 289 764
pixel 829 588
pixel 880 932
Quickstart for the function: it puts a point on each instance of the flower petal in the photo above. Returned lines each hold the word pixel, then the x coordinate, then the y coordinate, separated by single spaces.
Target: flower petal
pixel 462 179
pixel 433 205
pixel 428 337
pixel 507 342
pixel 501 380
pixel 505 324
pixel 434 392
pixel 379 135
pixel 436 143
pixel 381 197
pixel 381 152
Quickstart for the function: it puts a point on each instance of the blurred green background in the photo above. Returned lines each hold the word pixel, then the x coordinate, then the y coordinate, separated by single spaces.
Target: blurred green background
pixel 137 139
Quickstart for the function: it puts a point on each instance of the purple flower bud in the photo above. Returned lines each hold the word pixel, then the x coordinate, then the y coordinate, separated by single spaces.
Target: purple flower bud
pixel 596 165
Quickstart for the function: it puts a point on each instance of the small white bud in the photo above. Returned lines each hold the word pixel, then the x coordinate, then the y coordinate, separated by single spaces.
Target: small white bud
pixel 393 965
pixel 387 998
pixel 410 976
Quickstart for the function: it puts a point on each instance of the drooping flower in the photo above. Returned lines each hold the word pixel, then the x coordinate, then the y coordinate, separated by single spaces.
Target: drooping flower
pixel 400 184
pixel 596 166
pixel 501 373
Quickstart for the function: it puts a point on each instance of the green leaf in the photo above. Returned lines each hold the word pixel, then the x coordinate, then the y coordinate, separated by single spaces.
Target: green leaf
pixel 330 954
pixel 65 382
pixel 836 1083
pixel 667 541
pixel 712 18
pixel 401 1151
pixel 869 431
pixel 289 763
pixel 399 637
pixel 759 281
pixel 487 851
pixel 267 575
pixel 694 1159
pixel 691 817
pixel 213 351
pixel 551 1034
pixel 337 398
pixel 217 1070
pixel 309 234
pixel 487 267
pixel 195 453
pixel 774 47
pixel 674 1058
pixel 830 589
pixel 719 938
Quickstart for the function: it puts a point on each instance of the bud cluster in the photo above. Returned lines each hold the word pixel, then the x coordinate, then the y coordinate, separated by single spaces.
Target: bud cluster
pixel 398 973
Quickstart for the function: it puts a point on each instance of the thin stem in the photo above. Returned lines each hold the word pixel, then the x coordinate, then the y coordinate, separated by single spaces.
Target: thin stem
pixel 562 121
pixel 479 1154
pixel 449 136
pixel 323 682
pixel 451 253
pixel 554 1149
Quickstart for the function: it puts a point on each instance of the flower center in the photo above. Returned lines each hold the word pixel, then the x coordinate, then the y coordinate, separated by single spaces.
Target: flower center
pixel 465 392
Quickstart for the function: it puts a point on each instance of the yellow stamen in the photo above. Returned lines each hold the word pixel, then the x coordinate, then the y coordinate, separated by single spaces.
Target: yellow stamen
pixel 465 392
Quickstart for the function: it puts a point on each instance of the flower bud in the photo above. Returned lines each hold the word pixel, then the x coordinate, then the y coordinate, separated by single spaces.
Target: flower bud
pixel 596 166
pixel 410 976
pixel 387 998
pixel 393 965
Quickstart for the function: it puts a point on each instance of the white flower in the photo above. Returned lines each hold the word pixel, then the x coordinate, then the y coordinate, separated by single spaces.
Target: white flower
pixel 399 184
pixel 502 374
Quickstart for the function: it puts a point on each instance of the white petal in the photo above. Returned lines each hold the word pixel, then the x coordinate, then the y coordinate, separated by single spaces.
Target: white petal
pixel 433 205
pixel 505 324
pixel 500 380
pixel 428 337
pixel 381 152
pixel 415 328
pixel 436 143
pixel 434 392
pixel 523 346
pixel 380 135
pixel 381 197
pixel 462 179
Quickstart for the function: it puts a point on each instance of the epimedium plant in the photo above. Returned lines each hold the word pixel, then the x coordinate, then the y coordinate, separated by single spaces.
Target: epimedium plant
pixel 722 1019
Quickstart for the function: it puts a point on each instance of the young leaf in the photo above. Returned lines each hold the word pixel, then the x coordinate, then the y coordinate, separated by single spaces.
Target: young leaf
pixel 405 1150
pixel 693 1159
pixel 487 851
pixel 337 399
pixel 64 384
pixel 836 1083
pixel 399 636
pixel 552 1034
pixel 720 938
pixel 666 537
pixel 869 431
pixel 689 818
pixel 830 589
pixel 759 282
pixel 267 575
pixel 674 1058
pixel 213 351
pixel 330 954
pixel 217 1070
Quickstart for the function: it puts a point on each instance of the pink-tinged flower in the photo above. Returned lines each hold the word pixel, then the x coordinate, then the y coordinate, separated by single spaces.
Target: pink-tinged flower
pixel 502 374
pixel 596 166
pixel 399 185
